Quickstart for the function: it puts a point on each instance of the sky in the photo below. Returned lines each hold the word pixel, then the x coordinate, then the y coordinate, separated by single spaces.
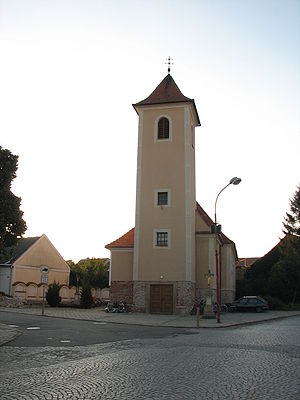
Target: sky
pixel 70 71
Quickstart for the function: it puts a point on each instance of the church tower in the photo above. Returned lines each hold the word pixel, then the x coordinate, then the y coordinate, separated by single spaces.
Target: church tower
pixel 162 264
pixel 164 272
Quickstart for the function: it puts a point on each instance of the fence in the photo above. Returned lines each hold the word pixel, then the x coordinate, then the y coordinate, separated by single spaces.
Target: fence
pixel 33 293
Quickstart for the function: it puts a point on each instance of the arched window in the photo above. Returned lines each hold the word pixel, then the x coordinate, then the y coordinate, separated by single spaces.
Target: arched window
pixel 163 128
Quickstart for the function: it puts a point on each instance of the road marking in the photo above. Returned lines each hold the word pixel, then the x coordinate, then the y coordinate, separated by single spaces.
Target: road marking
pixel 13 326
pixel 31 328
pixel 65 341
pixel 99 323
pixel 50 338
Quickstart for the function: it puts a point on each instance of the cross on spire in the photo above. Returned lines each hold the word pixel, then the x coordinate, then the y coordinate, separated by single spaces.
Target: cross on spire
pixel 169 59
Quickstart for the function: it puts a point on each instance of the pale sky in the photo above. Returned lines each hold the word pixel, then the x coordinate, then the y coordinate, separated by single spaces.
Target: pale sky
pixel 70 71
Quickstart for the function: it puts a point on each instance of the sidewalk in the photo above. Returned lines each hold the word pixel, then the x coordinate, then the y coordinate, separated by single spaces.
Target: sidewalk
pixel 176 321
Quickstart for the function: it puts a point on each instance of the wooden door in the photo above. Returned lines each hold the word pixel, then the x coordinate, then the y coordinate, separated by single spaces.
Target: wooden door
pixel 161 299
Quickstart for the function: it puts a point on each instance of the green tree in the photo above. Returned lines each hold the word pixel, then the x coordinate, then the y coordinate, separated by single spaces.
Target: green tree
pixel 86 299
pixel 292 219
pixel 52 296
pixel 92 270
pixel 278 272
pixel 289 266
pixel 12 225
pixel 290 248
pixel 257 276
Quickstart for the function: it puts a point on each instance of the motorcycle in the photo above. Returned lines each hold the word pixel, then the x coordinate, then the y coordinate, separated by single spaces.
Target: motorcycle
pixel 117 307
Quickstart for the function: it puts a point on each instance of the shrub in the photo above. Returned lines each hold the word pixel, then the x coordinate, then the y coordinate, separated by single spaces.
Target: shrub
pixel 275 303
pixel 52 296
pixel 86 300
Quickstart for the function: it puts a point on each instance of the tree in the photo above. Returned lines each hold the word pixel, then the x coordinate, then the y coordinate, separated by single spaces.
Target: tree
pixel 278 272
pixel 12 225
pixel 292 220
pixel 86 299
pixel 52 296
pixel 290 248
pixel 93 270
pixel 285 275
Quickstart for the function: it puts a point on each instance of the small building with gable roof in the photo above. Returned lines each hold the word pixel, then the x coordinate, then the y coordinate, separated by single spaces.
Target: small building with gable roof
pixel 23 267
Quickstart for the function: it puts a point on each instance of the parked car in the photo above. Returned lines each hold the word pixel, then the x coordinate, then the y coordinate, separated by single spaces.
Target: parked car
pixel 249 303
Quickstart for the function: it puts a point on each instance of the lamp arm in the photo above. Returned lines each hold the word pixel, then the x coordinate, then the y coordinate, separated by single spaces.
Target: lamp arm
pixel 217 200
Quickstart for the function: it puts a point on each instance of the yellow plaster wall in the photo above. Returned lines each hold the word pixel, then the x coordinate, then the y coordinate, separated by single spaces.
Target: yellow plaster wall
pixel 201 226
pixel 163 167
pixel 121 265
pixel 202 261
pixel 27 267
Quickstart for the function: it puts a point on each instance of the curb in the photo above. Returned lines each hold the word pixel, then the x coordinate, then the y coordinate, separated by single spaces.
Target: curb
pixel 217 326
pixel 12 334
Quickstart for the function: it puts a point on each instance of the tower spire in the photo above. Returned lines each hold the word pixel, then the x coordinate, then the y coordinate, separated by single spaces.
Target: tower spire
pixel 169 59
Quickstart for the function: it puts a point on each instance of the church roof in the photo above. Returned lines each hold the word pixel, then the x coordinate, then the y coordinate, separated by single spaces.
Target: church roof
pixel 127 240
pixel 167 92
pixel 206 218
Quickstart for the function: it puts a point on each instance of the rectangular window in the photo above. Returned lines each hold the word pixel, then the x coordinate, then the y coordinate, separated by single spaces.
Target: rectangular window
pixel 162 198
pixel 162 239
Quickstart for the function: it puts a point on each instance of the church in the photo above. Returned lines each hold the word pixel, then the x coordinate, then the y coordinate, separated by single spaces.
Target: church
pixel 162 265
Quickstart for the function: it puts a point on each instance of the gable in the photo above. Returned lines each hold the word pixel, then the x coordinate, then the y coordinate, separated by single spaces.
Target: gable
pixel 126 241
pixel 21 247
pixel 42 252
pixel 203 221
pixel 165 93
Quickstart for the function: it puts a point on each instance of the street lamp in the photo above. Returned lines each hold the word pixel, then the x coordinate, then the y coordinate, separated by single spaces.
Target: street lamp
pixel 233 181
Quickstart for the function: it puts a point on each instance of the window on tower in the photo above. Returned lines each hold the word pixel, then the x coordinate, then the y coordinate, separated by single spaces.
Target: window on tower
pixel 162 198
pixel 162 239
pixel 163 128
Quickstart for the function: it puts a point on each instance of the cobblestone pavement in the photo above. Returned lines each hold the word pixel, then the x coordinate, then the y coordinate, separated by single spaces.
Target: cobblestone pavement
pixel 252 362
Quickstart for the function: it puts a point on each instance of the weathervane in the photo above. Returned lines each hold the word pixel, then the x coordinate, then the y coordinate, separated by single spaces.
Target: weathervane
pixel 169 59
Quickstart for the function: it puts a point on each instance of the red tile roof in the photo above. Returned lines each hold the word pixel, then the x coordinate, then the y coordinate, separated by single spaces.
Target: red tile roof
pixel 167 92
pixel 203 215
pixel 125 241
pixel 209 222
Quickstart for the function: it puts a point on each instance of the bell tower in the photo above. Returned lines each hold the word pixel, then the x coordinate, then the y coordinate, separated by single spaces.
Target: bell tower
pixel 164 235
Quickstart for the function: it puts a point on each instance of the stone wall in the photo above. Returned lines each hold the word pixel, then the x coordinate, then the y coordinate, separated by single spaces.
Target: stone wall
pixel 12 302
pixel 121 291
pixel 185 297
pixel 139 297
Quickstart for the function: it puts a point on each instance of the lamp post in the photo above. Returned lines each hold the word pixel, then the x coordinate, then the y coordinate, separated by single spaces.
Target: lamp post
pixel 233 181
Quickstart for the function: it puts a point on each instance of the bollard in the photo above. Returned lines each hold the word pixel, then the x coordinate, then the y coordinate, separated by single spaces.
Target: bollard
pixel 198 317
pixel 43 303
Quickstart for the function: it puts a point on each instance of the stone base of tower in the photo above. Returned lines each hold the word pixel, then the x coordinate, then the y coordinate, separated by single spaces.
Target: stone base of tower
pixel 185 297
pixel 139 296
pixel 180 297
pixel 121 291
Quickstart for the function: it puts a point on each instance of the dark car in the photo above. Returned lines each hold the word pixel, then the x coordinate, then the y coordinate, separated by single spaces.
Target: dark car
pixel 251 303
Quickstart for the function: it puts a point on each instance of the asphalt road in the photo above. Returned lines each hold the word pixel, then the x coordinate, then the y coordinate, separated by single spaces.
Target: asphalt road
pixel 48 331
pixel 251 362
